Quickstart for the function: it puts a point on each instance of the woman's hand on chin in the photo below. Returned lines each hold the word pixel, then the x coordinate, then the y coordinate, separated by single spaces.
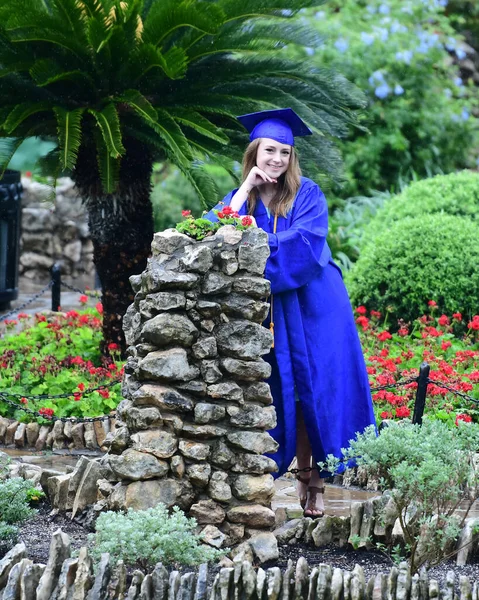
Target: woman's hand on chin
pixel 257 177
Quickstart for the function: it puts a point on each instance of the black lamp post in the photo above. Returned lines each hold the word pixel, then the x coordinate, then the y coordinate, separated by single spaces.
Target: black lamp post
pixel 10 216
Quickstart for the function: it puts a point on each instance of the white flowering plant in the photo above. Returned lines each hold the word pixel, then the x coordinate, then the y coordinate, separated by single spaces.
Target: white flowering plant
pixel 421 117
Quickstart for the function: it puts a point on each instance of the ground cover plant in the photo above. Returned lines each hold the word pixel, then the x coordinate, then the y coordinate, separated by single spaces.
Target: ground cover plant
pixel 449 343
pixel 16 495
pixel 146 537
pixel 58 354
pixel 430 471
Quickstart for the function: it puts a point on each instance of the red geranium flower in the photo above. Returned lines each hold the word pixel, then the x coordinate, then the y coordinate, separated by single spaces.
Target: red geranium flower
pixel 104 393
pixel 46 412
pixel 83 299
pixel 446 344
pixel 402 411
pixel 99 307
pixel 185 213
pixel 246 221
pixel 457 316
pixel 361 310
pixel 463 417
pixel 112 346
pixel 376 314
pixel 227 210
pixel 384 335
pixel 81 387
pixel 403 331
pixel 432 303
pixel 443 320
pixel 220 215
pixel 386 415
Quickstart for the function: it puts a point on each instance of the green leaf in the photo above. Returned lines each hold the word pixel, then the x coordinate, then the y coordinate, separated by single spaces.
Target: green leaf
pixel 47 70
pixel 176 144
pixel 109 124
pixel 69 135
pixel 108 166
pixel 199 123
pixel 8 147
pixel 167 16
pixel 23 111
pixel 139 103
pixel 172 63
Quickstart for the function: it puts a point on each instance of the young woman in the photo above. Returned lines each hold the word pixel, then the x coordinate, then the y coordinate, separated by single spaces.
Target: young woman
pixel 319 381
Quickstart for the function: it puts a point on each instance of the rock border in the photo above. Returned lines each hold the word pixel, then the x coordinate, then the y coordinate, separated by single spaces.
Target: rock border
pixel 70 435
pixel 66 577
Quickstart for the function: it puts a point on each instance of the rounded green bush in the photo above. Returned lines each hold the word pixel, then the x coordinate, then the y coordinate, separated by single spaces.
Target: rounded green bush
pixel 416 260
pixel 454 194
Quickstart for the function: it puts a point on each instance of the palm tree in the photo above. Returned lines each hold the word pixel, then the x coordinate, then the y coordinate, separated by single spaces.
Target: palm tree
pixel 119 84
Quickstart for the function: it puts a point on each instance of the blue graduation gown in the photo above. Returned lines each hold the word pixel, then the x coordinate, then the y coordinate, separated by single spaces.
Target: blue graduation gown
pixel 317 354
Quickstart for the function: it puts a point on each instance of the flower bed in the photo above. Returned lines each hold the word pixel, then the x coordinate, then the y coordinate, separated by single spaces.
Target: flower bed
pixel 446 342
pixel 58 355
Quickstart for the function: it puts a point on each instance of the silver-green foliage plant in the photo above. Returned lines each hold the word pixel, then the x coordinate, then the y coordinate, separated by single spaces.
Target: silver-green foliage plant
pixel 146 537
pixel 14 508
pixel 430 470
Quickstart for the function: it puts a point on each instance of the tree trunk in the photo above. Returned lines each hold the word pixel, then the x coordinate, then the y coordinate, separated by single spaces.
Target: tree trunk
pixel 121 229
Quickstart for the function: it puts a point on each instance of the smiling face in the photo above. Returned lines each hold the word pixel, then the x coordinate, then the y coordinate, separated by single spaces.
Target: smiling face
pixel 273 157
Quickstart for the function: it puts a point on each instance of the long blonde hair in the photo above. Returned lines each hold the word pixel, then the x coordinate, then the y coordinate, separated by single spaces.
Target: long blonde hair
pixel 288 183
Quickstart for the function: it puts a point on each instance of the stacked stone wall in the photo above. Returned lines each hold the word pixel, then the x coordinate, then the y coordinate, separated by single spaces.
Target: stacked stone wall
pixel 192 430
pixel 54 229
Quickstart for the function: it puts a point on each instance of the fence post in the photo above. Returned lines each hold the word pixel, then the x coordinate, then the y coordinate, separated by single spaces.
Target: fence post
pixel 56 287
pixel 421 392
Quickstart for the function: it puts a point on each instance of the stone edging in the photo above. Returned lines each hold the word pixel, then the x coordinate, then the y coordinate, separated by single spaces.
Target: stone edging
pixel 65 577
pixel 58 436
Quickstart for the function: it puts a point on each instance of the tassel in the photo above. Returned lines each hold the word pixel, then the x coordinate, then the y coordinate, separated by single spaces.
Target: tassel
pixel 271 328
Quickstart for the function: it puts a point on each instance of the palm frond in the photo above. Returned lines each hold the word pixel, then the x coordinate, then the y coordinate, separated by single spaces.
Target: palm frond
pixel 23 111
pixel 172 64
pixel 49 36
pixel 167 16
pixel 204 185
pixel 50 165
pixel 69 135
pixel 8 147
pixel 109 124
pixel 71 15
pixel 174 139
pixel 108 166
pixel 257 8
pixel 199 123
pixel 47 70
pixel 139 103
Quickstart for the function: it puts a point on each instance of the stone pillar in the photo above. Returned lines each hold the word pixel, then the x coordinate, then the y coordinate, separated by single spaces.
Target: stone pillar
pixel 193 425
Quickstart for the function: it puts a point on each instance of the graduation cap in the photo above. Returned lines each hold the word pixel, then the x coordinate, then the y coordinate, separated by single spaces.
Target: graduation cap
pixel 281 125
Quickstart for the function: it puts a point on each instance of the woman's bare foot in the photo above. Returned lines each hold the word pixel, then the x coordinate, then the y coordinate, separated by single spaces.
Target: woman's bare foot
pixel 302 489
pixel 314 508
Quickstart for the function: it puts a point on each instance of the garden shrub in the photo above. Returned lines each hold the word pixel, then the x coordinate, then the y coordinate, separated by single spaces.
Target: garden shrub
pixel 416 260
pixel 428 470
pixel 419 118
pixel 146 537
pixel 15 495
pixel 453 194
